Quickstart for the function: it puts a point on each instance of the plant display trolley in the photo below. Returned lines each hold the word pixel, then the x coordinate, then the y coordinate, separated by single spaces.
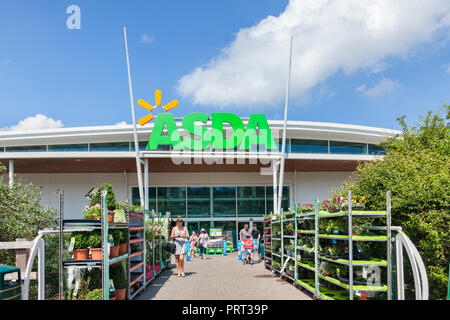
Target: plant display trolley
pixel 341 255
pixel 157 235
pixel 93 233
pixel 94 252
pixel 137 253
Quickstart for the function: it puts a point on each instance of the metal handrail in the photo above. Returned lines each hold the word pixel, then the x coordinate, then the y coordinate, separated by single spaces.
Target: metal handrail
pixel 417 265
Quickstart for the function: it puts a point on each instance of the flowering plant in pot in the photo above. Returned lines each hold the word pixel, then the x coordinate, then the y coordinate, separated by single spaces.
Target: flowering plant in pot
pixel 81 245
pixel 95 243
pixel 289 229
pixel 332 205
pixel 92 212
pixel 358 203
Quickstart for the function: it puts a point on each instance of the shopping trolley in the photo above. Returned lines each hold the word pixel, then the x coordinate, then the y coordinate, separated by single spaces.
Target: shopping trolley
pixel 248 247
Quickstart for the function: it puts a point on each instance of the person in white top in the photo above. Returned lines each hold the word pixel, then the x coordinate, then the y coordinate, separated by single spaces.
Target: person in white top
pixel 180 234
pixel 203 243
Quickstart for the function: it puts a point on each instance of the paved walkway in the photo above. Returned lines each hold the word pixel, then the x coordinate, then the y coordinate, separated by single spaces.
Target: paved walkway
pixel 221 278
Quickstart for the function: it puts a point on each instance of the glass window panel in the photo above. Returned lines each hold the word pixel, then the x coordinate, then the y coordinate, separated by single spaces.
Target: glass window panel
pixel 376 150
pixel 142 145
pixel 251 201
pixel 342 147
pixel 199 202
pixel 68 147
pixel 309 146
pixel 224 201
pixel 285 199
pixel 279 142
pixel 110 146
pixel 135 199
pixel 173 200
pixel 26 149
pixel 2 149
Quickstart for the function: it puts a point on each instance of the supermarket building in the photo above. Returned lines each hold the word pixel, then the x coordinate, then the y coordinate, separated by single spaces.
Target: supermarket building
pixel 227 194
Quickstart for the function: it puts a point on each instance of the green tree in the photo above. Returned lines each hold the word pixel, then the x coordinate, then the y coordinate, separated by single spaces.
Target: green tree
pixel 416 169
pixel 21 214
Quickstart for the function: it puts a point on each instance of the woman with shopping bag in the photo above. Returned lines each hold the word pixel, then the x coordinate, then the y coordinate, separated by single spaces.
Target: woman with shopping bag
pixel 180 234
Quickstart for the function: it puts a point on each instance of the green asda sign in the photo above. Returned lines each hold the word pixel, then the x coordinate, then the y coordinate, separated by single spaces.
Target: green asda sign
pixel 198 137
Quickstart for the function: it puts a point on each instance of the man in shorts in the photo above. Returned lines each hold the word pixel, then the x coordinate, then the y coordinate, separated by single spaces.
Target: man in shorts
pixel 256 235
pixel 245 234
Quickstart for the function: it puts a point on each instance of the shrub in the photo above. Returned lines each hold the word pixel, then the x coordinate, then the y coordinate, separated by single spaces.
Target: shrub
pixel 96 294
pixel 95 239
pixel 81 239
pixel 118 276
pixel 416 169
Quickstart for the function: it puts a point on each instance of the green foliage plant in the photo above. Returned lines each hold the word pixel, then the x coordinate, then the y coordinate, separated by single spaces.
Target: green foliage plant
pixel 416 169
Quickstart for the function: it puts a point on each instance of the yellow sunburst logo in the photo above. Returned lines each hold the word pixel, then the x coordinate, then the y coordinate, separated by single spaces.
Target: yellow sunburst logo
pixel 144 104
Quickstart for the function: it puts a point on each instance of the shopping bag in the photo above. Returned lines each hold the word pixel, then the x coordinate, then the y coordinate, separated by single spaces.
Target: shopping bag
pixel 170 247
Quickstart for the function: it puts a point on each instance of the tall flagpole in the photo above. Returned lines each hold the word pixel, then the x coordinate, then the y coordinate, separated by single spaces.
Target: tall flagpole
pixel 136 143
pixel 283 146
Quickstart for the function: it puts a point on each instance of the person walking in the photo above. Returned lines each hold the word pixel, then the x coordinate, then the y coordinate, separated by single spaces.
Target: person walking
pixel 193 240
pixel 245 234
pixel 204 242
pixel 256 235
pixel 180 234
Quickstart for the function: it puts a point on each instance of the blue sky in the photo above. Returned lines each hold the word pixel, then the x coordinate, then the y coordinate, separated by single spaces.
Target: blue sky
pixel 79 76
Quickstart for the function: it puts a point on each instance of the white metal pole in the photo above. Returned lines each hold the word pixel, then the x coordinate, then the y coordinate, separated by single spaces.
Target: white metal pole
pixel 136 143
pixel 146 185
pixel 283 145
pixel 11 173
pixel 275 193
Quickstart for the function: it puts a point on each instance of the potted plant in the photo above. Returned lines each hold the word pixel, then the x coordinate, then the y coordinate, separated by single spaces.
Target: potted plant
pixel 120 281
pixel 95 243
pixel 120 245
pixel 92 212
pixel 81 246
pixel 289 229
pixel 95 196
pixel 288 214
pixel 96 294
pixel 307 208
pixel 358 203
pixel 121 240
pixel 332 205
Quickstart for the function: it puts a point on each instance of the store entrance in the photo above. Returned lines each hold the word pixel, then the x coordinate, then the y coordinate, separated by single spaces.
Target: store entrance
pixel 228 230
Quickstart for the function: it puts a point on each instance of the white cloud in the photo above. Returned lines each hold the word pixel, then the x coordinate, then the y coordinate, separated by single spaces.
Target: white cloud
pixel 361 88
pixel 329 36
pixel 39 121
pixel 122 123
pixel 447 68
pixel 384 86
pixel 146 38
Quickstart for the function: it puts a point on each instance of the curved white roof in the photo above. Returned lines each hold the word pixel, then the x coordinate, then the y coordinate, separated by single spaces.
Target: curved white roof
pixel 118 133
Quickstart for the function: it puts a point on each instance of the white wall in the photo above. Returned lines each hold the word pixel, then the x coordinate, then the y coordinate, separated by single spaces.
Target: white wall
pixel 75 185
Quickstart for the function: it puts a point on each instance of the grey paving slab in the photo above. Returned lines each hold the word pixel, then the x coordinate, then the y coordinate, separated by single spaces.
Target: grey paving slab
pixel 221 278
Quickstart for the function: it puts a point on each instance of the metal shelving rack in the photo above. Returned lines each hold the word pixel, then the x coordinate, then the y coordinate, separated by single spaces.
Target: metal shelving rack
pixel 283 236
pixel 267 227
pixel 313 285
pixel 68 226
pixel 280 239
pixel 136 272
